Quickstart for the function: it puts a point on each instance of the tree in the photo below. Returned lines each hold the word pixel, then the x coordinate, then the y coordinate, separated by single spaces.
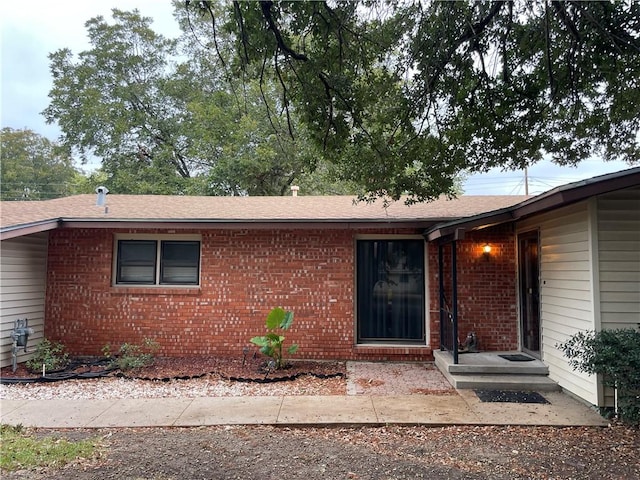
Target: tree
pixel 163 117
pixel 116 101
pixel 404 96
pixel 34 168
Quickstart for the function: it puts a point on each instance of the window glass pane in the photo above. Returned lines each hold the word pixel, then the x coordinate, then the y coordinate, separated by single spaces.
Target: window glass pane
pixel 136 262
pixel 390 290
pixel 180 262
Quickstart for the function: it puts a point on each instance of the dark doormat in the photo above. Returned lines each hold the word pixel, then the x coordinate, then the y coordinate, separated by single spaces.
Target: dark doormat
pixel 508 396
pixel 517 357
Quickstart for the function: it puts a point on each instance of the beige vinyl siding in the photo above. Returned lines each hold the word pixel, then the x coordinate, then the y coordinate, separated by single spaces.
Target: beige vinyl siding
pixel 23 273
pixel 566 290
pixel 619 262
pixel 619 258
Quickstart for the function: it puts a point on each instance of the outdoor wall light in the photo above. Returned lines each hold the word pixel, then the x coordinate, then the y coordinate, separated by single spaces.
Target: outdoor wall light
pixel 486 252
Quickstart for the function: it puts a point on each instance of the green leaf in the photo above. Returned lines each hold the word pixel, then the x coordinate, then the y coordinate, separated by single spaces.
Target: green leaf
pixel 287 320
pixel 267 350
pixel 275 318
pixel 292 349
pixel 274 337
pixel 260 341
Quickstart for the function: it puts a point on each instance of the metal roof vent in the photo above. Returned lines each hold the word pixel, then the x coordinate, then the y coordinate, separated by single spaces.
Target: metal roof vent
pixel 294 190
pixel 102 196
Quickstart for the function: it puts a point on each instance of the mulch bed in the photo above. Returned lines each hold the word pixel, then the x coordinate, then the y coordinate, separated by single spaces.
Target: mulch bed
pixel 247 370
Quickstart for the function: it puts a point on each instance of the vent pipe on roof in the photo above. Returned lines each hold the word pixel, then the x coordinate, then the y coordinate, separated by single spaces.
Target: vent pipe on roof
pixel 102 196
pixel 294 190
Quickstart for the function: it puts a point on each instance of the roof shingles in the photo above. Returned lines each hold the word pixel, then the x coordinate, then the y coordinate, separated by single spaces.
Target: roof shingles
pixel 169 209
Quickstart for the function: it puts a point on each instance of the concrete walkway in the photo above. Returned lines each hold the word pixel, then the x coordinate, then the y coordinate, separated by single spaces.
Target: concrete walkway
pixel 461 407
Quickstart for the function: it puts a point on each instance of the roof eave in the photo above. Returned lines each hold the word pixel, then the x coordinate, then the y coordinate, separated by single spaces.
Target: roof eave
pixel 253 224
pixel 14 231
pixel 558 197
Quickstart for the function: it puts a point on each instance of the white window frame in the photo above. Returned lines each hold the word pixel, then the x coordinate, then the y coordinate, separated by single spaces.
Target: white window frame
pixel 158 238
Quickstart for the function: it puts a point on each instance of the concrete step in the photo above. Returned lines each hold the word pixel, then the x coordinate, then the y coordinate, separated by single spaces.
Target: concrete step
pixel 488 371
pixel 536 383
pixel 487 364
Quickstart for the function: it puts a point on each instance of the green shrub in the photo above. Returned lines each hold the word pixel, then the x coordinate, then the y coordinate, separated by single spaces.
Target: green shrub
pixel 50 354
pixel 131 355
pixel 614 354
pixel 271 344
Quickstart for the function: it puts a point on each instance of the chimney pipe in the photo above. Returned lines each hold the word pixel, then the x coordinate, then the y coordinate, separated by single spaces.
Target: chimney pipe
pixel 294 190
pixel 102 196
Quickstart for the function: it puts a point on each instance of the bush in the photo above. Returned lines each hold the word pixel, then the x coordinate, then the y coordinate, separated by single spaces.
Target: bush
pixel 131 355
pixel 50 354
pixel 614 354
pixel 271 344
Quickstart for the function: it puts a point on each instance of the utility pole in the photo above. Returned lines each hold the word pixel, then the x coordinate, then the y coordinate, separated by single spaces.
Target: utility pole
pixel 526 181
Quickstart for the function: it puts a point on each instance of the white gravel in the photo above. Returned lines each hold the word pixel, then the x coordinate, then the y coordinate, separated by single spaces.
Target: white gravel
pixel 363 378
pixel 112 387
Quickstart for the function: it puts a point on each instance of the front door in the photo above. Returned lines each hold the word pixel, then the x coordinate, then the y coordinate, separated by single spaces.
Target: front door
pixel 529 282
pixel 390 291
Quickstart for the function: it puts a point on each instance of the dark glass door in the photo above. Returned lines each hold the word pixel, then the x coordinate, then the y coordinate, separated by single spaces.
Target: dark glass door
pixel 529 280
pixel 390 291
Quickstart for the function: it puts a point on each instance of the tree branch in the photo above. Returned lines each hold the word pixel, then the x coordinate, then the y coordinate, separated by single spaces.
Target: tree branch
pixel 562 14
pixel 472 31
pixel 243 31
pixel 547 50
pixel 268 16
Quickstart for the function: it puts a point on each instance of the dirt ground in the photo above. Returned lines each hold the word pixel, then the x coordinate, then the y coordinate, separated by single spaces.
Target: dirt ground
pixel 353 453
pixel 391 452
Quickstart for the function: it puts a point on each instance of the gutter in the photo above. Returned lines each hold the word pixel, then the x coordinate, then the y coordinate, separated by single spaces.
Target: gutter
pixel 14 231
pixel 249 224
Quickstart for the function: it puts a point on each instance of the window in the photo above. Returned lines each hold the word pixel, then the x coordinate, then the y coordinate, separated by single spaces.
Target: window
pixel 157 262
pixel 390 291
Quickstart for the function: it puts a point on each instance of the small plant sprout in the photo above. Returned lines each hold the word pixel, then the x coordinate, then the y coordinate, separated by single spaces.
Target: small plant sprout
pixel 271 344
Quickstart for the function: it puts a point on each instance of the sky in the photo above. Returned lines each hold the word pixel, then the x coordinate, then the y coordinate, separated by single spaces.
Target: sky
pixel 31 30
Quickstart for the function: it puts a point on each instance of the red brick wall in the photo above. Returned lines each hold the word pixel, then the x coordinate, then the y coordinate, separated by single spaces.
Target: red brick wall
pixel 244 274
pixel 487 288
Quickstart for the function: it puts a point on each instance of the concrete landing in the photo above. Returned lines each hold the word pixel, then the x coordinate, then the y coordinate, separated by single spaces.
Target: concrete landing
pixel 489 371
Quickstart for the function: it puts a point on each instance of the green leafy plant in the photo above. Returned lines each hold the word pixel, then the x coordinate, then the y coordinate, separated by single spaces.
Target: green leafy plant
pixel 131 355
pixel 50 354
pixel 271 344
pixel 615 354
pixel 19 450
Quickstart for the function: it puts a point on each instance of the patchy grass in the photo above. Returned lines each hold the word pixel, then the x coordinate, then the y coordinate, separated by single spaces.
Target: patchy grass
pixel 21 450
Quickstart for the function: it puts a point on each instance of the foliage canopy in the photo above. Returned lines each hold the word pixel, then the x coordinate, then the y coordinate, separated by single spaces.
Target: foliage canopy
pixel 164 119
pixel 403 96
pixel 34 168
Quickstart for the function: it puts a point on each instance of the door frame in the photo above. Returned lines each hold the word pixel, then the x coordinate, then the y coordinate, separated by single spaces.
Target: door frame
pixel 529 301
pixel 426 316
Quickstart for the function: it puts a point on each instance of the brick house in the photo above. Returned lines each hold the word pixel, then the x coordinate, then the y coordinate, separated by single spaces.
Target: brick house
pixel 199 274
